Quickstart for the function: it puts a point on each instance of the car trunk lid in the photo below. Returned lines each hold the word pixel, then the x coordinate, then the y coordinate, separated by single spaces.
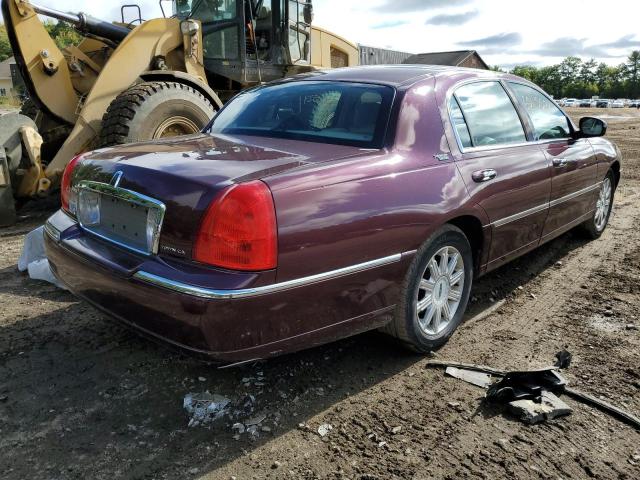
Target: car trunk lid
pixel 185 175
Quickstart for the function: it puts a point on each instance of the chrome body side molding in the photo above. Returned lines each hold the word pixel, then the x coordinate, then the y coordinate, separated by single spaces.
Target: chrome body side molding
pixel 539 208
pixel 208 293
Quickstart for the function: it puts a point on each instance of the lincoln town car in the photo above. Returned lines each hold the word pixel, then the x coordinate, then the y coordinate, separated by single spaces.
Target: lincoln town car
pixel 329 204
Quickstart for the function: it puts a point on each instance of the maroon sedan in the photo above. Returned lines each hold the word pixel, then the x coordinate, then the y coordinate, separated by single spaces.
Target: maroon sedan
pixel 329 204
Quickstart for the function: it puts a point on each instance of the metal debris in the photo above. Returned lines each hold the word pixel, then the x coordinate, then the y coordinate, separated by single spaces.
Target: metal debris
pixel 531 393
pixel 604 406
pixel 479 379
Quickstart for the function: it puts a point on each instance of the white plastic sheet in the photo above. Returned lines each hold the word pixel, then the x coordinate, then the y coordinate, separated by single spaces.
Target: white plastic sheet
pixel 33 258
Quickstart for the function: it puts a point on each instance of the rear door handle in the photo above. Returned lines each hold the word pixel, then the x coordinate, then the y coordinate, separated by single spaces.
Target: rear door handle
pixel 484 175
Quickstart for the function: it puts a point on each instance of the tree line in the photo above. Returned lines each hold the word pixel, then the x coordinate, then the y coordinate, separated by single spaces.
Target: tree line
pixel 575 78
pixel 62 33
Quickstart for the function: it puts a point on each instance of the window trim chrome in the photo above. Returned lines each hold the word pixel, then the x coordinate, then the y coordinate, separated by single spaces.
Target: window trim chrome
pixel 486 148
pixel 452 94
pixel 216 294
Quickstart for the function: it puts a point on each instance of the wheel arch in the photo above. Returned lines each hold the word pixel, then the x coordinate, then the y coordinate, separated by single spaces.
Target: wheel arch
pixel 185 78
pixel 471 226
pixel 615 167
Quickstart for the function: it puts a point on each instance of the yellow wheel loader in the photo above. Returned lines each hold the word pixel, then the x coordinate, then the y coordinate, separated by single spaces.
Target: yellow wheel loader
pixel 140 80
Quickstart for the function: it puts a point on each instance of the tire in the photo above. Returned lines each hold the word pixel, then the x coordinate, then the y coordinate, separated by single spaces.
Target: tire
pixel 412 328
pixel 151 110
pixel 594 227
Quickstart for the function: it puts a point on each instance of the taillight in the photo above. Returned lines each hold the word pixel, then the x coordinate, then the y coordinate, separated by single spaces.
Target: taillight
pixel 65 184
pixel 239 229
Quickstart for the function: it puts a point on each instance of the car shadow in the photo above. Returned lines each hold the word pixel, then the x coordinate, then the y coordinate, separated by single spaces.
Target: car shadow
pixel 88 398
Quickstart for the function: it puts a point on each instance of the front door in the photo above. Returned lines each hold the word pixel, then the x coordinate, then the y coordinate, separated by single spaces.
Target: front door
pixel 574 173
pixel 507 176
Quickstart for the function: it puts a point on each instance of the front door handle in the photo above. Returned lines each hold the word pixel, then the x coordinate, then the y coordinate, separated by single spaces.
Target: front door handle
pixel 484 175
pixel 560 162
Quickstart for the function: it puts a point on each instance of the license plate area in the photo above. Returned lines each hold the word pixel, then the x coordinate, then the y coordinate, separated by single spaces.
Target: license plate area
pixel 121 216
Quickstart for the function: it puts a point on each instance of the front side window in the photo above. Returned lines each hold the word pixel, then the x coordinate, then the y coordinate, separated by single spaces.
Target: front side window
pixel 491 117
pixel 318 111
pixel 548 120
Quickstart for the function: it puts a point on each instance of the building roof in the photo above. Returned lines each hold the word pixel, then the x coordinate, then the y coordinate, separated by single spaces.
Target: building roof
pixel 455 58
pixel 5 67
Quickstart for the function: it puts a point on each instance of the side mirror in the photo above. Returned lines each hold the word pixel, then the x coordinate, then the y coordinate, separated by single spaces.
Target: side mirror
pixel 592 127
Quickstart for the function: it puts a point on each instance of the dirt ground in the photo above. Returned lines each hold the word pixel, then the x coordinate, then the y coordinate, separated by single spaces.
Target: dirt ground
pixel 83 398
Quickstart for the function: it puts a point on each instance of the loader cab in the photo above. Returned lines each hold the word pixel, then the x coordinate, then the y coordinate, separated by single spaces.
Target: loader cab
pixel 249 41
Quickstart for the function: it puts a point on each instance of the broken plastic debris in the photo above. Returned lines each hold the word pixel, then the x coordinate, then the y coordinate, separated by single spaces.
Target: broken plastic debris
pixel 532 412
pixel 255 420
pixel 34 260
pixel 324 429
pixel 204 408
pixel 563 359
pixel 238 426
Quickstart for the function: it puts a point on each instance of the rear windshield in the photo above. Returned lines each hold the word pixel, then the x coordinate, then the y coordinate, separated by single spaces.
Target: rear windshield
pixel 343 113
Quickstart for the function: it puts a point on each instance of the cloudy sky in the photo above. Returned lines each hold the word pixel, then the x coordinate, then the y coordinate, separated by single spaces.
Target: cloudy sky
pixel 505 32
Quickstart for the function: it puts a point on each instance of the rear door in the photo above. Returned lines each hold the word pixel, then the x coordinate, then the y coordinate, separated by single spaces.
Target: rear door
pixel 574 172
pixel 509 177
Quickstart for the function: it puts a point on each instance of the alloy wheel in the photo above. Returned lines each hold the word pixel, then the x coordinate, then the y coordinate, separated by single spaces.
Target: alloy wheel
pixel 603 204
pixel 439 291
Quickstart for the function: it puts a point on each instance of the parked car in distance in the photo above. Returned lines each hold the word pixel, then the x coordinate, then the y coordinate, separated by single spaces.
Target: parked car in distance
pixel 617 104
pixel 594 102
pixel 634 104
pixel 585 103
pixel 571 102
pixel 327 204
pixel 603 103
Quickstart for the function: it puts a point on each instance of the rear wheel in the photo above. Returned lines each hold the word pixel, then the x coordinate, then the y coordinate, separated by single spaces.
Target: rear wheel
pixel 435 292
pixel 152 110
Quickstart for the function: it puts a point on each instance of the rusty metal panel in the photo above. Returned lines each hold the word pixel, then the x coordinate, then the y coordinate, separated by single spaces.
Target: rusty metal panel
pixel 380 56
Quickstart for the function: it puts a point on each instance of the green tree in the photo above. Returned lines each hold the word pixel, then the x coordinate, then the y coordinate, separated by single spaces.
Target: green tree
pixel 63 33
pixel 632 71
pixel 5 47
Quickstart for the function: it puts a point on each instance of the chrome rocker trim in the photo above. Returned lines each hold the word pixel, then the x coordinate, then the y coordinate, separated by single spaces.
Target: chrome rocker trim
pixel 512 218
pixel 188 289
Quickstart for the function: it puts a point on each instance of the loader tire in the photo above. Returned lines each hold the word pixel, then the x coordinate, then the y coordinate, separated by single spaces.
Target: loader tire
pixel 152 110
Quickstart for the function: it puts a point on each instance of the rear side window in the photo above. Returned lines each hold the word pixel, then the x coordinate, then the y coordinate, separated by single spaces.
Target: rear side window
pixel 490 115
pixel 548 120
pixel 459 124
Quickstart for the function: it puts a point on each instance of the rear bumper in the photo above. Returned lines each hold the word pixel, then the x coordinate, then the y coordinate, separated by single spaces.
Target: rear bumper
pixel 227 316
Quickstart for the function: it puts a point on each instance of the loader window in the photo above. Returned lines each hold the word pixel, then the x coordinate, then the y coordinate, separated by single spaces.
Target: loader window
pixel 206 10
pixel 222 44
pixel 316 111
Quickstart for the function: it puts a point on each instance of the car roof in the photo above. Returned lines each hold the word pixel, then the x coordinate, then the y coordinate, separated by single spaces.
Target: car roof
pixel 397 75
